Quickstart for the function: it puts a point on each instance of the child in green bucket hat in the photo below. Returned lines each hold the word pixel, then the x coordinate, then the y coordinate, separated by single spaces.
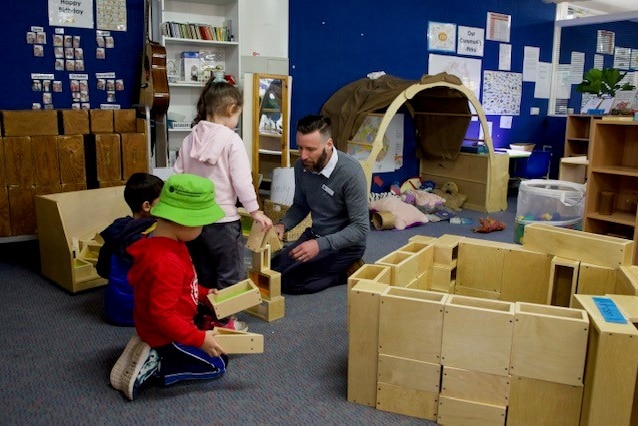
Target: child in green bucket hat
pixel 167 344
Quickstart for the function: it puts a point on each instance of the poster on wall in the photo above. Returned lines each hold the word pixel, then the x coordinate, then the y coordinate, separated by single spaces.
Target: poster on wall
pixel 498 27
pixel 502 92
pixel 390 157
pixel 470 41
pixel 467 69
pixel 111 15
pixel 622 58
pixel 441 37
pixel 71 13
pixel 605 42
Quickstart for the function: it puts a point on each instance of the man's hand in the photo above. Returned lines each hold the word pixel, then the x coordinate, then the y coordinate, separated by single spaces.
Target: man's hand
pixel 305 251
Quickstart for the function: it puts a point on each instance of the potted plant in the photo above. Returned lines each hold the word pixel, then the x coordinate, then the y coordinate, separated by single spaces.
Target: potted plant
pixel 603 82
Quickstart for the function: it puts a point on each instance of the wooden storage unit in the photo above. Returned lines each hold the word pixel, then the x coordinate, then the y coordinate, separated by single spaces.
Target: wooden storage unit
pixel 573 165
pixel 613 168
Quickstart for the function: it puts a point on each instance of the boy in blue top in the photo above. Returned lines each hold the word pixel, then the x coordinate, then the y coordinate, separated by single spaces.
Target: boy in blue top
pixel 330 185
pixel 141 192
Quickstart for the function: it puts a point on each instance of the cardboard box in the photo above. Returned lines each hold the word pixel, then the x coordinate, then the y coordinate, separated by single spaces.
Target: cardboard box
pixel 66 218
pixel 190 66
pixel 235 298
pixel 30 123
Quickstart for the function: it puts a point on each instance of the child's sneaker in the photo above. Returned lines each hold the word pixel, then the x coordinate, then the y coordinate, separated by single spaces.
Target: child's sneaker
pixel 143 364
pixel 231 323
pixel 124 361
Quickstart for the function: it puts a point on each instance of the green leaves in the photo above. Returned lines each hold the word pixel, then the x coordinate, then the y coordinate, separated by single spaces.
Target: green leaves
pixel 603 82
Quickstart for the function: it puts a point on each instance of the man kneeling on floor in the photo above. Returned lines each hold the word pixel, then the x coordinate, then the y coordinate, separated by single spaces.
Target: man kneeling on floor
pixel 331 186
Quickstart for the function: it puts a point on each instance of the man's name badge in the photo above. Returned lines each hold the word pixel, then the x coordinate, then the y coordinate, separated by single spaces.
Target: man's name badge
pixel 328 190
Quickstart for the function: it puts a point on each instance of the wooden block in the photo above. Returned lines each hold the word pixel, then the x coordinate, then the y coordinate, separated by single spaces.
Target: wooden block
pixel 18 160
pixel 537 402
pixel 74 121
pixel 235 298
pixel 612 367
pixel 423 239
pixel 596 279
pixel 525 276
pixel 239 342
pixel 627 304
pixel 5 218
pixel 46 164
pixel 269 310
pixel 48 189
pixel 563 278
pixel 424 281
pixel 124 121
pixel 101 120
pixel 480 265
pixel 442 276
pixel 71 156
pixel 627 280
pixel 22 210
pixel 108 157
pixel 258 238
pixel 89 251
pixel 473 292
pixel 73 187
pixel 409 373
pixel 134 154
pixel 363 341
pixel 475 386
pixel 403 267
pixel 3 174
pixel 446 249
pixel 372 272
pixel 261 259
pixel 268 282
pixel 423 310
pixel 424 253
pixel 578 245
pixel 407 401
pixel 549 343
pixel 477 334
pixel 30 122
pixel 460 412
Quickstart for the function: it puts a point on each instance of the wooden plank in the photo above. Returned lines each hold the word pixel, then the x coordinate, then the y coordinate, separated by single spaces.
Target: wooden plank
pixel 475 386
pixel 477 334
pixel 409 373
pixel 578 245
pixel 549 343
pixel 596 279
pixel 423 310
pixel 537 402
pixel 407 401
pixel 563 279
pixel 525 276
pixel 363 341
pixel 474 292
pixel 627 280
pixel 459 412
pixel 480 265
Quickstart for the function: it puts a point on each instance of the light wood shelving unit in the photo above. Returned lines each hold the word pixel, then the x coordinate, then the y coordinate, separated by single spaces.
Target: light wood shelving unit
pixel 613 168
pixel 573 165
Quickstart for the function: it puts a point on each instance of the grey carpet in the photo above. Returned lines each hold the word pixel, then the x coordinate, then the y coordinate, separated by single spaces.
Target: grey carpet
pixel 57 353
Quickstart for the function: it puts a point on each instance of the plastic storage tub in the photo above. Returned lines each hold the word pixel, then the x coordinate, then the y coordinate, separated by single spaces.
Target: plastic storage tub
pixel 555 202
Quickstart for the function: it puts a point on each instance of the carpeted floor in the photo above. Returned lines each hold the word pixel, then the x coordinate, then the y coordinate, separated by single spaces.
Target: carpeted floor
pixel 57 354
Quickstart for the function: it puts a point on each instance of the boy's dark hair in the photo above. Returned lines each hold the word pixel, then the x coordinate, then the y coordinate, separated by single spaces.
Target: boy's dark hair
pixel 216 98
pixel 312 123
pixel 142 187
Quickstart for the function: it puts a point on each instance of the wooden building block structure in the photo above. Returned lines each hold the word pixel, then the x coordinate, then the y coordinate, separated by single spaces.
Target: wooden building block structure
pixel 475 386
pixel 235 298
pixel 455 411
pixel 239 342
pixel 596 279
pixel 403 267
pixel 563 279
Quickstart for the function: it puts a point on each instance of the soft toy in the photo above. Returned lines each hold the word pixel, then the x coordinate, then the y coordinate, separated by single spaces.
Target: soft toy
pixel 489 225
pixel 405 215
pixel 423 200
pixel 453 198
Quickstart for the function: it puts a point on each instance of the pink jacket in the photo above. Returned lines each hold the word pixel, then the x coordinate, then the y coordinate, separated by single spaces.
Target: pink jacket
pixel 216 152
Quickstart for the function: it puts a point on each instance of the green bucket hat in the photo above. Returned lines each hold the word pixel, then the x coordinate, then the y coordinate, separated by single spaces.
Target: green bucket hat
pixel 188 200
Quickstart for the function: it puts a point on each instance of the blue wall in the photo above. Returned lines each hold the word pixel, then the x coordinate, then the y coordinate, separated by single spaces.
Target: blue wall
pixel 333 43
pixel 16 19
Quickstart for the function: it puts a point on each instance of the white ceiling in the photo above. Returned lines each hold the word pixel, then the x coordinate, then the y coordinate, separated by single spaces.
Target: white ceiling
pixel 608 6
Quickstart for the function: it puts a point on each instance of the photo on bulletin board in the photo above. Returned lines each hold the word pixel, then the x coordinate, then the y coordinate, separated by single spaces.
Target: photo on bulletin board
pixel 441 37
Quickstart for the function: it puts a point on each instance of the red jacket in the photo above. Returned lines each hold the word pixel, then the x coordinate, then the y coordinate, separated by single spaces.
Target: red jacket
pixel 165 291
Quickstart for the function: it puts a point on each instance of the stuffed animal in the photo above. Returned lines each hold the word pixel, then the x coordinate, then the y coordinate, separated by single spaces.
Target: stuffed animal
pixel 405 215
pixel 453 198
pixel 423 200
pixel 489 225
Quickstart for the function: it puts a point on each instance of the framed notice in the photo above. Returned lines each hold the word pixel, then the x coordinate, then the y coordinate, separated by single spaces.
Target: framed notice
pixel 441 37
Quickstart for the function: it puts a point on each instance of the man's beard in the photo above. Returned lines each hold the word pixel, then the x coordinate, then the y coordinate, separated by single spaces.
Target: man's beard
pixel 319 164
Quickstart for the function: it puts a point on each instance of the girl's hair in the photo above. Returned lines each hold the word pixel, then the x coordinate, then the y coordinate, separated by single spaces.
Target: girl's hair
pixel 219 99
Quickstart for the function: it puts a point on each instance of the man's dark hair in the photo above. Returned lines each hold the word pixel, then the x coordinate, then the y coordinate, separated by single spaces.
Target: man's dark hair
pixel 142 187
pixel 312 123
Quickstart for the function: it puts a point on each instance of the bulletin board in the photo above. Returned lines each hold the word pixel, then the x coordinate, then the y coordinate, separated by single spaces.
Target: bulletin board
pixel 65 54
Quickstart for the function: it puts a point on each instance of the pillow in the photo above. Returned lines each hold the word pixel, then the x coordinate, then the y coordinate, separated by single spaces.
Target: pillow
pixel 405 215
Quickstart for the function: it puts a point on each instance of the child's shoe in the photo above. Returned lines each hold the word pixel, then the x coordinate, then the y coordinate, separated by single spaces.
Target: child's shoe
pixel 124 360
pixel 143 363
pixel 231 323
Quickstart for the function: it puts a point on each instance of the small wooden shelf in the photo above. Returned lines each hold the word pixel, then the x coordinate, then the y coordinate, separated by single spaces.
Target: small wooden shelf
pixel 176 40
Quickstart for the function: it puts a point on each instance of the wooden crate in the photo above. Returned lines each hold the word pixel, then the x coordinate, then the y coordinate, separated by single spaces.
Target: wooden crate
pixel 549 343
pixel 124 121
pixel 22 209
pixel 403 267
pixel 563 279
pixel 537 402
pixel 108 157
pixel 269 309
pixel 74 121
pixel 101 120
pixel 239 342
pixel 423 310
pixel 18 160
pixel 363 341
pixel 477 334
pixel 612 368
pixel 460 412
pixel 480 264
pixel 424 253
pixel 475 386
pixel 235 298
pixel 46 164
pixel 446 249
pixel 372 272
pixel 65 218
pixel 443 276
pixel 134 154
pixel 30 122
pixel 525 276
pixel 71 155
pixel 268 282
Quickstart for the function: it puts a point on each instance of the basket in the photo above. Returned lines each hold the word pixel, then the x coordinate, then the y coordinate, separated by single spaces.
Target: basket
pixel 277 211
pixel 383 220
